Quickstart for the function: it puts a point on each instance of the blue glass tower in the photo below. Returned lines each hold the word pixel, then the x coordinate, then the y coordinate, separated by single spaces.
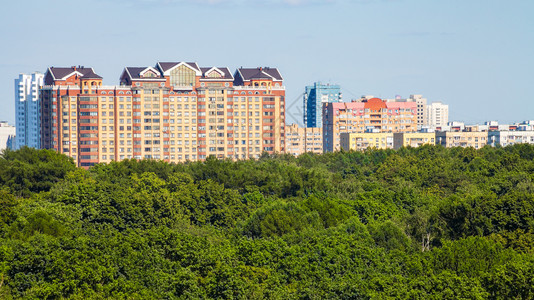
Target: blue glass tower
pixel 314 97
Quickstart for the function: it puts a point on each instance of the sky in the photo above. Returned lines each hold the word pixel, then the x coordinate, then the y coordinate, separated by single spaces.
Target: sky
pixel 475 55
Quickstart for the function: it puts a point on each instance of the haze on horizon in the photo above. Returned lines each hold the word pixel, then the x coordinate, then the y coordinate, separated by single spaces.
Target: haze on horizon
pixel 475 55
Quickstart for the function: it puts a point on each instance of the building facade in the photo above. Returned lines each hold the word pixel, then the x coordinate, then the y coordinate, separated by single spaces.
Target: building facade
pixel 362 141
pixel 475 139
pixel 314 97
pixel 506 138
pixel 413 139
pixel 438 114
pixel 28 110
pixel 422 114
pixel 361 116
pixel 175 111
pixel 300 140
pixel 7 136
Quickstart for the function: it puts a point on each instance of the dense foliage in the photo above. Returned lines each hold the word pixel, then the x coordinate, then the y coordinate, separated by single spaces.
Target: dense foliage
pixel 417 223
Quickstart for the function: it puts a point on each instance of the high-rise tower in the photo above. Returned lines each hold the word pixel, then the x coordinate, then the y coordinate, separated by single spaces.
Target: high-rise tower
pixel 314 97
pixel 27 110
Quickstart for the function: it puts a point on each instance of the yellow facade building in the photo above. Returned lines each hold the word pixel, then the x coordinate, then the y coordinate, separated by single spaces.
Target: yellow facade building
pixel 413 139
pixel 362 141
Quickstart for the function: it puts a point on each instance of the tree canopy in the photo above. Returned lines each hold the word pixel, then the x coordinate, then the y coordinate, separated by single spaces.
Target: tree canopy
pixel 416 223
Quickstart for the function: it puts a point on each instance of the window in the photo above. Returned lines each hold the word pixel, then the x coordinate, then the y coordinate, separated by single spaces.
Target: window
pixel 182 76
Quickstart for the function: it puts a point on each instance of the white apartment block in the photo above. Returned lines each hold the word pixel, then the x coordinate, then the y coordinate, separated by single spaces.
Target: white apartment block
pixel 437 114
pixel 506 138
pixel 28 110
pixel 7 136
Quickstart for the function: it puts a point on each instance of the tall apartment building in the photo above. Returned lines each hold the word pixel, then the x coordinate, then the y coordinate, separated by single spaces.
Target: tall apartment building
pixel 422 114
pixel 438 114
pixel 7 136
pixel 314 97
pixel 303 139
pixel 360 116
pixel 27 110
pixel 175 111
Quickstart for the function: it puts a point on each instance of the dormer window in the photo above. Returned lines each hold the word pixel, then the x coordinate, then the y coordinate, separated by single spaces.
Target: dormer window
pixel 214 74
pixel 149 74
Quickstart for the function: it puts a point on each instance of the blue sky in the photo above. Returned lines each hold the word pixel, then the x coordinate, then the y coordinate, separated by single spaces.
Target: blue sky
pixel 477 56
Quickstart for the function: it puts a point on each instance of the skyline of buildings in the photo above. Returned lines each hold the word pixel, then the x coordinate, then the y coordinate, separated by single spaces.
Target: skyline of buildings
pixel 178 111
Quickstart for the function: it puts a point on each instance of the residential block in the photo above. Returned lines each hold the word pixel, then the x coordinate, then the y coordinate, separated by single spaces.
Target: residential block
pixel 300 140
pixel 360 116
pixel 174 111
pixel 363 140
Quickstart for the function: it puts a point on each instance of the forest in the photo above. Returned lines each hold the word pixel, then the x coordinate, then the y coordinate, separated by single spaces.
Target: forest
pixel 416 223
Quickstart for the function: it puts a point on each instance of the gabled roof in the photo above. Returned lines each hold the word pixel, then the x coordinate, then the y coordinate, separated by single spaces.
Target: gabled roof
pixel 91 75
pixel 167 67
pixel 260 73
pixel 64 73
pixel 224 71
pixel 136 73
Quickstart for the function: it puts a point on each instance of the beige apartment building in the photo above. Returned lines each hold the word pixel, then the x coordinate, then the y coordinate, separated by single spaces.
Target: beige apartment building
pixel 413 139
pixel 475 139
pixel 364 140
pixel 300 140
pixel 422 114
pixel 175 111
